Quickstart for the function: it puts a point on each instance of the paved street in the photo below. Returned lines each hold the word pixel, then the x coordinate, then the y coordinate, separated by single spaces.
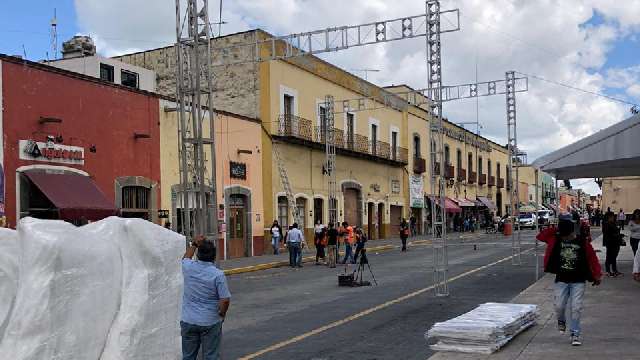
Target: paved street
pixel 302 314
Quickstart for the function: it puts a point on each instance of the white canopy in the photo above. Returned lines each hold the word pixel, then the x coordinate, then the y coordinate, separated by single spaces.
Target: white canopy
pixel 614 151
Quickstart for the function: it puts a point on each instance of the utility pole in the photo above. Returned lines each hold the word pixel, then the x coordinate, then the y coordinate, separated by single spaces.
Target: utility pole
pixel 54 36
pixel 514 164
pixel 194 95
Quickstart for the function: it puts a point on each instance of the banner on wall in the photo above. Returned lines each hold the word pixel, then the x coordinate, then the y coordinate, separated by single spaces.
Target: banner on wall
pixel 416 191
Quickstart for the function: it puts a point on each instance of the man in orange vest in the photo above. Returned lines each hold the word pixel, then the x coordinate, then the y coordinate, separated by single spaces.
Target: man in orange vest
pixel 349 240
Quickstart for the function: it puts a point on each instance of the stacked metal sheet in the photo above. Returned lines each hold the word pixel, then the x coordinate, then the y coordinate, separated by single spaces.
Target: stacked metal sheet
pixel 484 329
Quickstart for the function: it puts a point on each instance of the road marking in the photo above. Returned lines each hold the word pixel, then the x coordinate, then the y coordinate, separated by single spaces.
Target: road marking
pixel 367 312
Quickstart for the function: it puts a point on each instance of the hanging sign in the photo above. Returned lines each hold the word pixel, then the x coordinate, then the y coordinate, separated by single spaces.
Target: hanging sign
pixel 416 190
pixel 50 152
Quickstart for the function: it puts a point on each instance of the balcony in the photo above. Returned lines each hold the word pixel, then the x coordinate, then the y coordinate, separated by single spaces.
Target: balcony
pixel 462 174
pixel 472 177
pixel 449 171
pixel 500 183
pixel 302 131
pixel 419 165
pixel 492 181
pixel 482 179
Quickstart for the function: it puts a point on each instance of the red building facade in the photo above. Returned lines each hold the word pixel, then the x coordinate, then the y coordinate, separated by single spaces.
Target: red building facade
pixel 56 122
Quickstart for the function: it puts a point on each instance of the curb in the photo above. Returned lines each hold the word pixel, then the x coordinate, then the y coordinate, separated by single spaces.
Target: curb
pixel 277 264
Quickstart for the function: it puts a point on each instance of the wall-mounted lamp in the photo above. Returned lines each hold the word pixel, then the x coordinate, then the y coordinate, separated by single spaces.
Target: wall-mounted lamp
pixel 141 136
pixel 92 149
pixel 241 151
pixel 45 120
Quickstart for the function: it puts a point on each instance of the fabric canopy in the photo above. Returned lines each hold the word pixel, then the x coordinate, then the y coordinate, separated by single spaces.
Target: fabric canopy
pixel 75 196
pixel 449 205
pixel 611 152
pixel 488 203
pixel 464 202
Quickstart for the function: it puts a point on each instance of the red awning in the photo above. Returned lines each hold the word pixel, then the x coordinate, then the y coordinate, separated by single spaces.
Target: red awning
pixel 449 205
pixel 488 203
pixel 75 196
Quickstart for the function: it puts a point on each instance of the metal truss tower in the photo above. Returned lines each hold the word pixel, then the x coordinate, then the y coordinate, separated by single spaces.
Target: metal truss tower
pixel 196 135
pixel 330 152
pixel 514 164
pixel 438 213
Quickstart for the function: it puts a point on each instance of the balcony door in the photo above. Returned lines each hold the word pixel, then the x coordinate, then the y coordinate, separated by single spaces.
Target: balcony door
pixel 351 131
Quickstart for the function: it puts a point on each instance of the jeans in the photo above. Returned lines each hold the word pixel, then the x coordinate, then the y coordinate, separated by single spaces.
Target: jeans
pixel 348 253
pixel 571 293
pixel 404 243
pixel 295 254
pixel 610 263
pixel 195 337
pixel 331 252
pixel 275 242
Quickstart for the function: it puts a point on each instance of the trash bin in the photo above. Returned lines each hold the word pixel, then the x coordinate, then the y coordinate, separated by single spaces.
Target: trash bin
pixel 508 228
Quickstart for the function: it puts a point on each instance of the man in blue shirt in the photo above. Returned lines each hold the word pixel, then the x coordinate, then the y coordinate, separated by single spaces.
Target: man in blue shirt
pixel 205 302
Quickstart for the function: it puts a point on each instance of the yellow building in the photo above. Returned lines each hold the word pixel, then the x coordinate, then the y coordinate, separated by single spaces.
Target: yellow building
pixel 621 193
pixel 382 148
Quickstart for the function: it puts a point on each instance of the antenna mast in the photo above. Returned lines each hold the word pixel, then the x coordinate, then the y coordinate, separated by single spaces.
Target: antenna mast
pixel 54 36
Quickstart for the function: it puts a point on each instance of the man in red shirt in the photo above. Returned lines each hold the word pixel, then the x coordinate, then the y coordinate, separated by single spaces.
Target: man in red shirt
pixel 571 257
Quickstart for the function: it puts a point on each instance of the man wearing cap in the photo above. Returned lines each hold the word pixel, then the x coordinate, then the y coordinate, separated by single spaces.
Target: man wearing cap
pixel 570 256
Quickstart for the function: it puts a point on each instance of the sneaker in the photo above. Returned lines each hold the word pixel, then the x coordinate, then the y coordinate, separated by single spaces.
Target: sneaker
pixel 562 326
pixel 575 340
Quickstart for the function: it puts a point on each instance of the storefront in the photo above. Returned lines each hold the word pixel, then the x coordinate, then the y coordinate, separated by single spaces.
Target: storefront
pixel 76 148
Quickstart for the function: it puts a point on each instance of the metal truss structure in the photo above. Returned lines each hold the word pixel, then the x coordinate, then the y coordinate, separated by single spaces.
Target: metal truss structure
pixel 330 152
pixel 194 86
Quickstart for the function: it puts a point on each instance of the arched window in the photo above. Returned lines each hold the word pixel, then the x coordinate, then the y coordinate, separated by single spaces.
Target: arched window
pixel 135 202
pixel 498 170
pixel 458 161
pixel 447 156
pixel 489 167
pixel 283 211
pixel 416 146
pixel 301 205
pixel 470 162
pixel 480 165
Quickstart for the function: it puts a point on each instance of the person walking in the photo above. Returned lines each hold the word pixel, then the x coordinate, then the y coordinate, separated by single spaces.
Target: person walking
pixel 404 234
pixel 634 230
pixel 611 240
pixel 361 240
pixel 276 235
pixel 205 302
pixel 319 241
pixel 621 219
pixel 413 225
pixel 349 240
pixel 571 257
pixel 332 241
pixel 295 242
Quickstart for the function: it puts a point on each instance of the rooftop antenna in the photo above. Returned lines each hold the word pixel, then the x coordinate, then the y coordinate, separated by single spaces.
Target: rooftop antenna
pixel 54 35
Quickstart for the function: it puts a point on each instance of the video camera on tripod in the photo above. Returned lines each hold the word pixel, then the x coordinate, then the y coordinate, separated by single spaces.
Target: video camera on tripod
pixel 356 277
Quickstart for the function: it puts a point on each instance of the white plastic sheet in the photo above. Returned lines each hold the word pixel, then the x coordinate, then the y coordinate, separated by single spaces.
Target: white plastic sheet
pixel 484 329
pixel 107 290
pixel 8 274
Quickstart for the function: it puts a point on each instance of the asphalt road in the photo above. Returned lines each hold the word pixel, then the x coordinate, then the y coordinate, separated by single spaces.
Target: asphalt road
pixel 292 313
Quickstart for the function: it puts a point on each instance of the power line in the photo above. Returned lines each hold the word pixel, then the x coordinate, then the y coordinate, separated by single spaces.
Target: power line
pixel 578 89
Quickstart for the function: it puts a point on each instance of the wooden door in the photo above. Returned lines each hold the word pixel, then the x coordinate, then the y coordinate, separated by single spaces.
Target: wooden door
pixel 237 228
pixel 380 225
pixel 351 206
pixel 395 219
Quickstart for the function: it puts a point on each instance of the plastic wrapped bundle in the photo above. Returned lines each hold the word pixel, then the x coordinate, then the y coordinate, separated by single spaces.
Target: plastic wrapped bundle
pixel 8 275
pixel 484 329
pixel 107 290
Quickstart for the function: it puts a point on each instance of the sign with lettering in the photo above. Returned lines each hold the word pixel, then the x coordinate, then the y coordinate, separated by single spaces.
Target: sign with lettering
pixel 416 191
pixel 375 187
pixel 50 152
pixel 238 170
pixel 467 137
pixel 163 214
pixel 395 186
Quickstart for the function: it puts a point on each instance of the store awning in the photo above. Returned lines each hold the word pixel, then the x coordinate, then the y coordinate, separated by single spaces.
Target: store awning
pixel 75 196
pixel 449 205
pixel 464 202
pixel 488 203
pixel 611 152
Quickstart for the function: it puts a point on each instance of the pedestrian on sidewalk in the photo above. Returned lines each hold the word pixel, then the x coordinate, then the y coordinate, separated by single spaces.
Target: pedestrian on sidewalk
pixel 612 240
pixel 404 234
pixel 349 240
pixel 276 235
pixel 571 257
pixel 320 242
pixel 621 219
pixel 361 240
pixel 414 225
pixel 295 242
pixel 634 230
pixel 332 241
pixel 205 302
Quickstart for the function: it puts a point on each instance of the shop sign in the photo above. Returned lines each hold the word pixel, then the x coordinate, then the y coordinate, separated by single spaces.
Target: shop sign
pixel 469 138
pixel 395 186
pixel 238 170
pixel 163 214
pixel 416 191
pixel 50 152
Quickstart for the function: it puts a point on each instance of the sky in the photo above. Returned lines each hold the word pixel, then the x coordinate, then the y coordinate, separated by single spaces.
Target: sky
pixel 588 44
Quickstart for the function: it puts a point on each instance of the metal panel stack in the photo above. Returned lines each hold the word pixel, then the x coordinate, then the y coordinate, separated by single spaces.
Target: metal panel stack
pixel 484 329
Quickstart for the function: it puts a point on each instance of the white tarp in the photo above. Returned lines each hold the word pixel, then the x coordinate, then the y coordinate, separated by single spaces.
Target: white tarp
pixel 416 189
pixel 107 290
pixel 611 152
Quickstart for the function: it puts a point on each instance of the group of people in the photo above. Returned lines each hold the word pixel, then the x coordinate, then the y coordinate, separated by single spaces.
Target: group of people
pixel 327 240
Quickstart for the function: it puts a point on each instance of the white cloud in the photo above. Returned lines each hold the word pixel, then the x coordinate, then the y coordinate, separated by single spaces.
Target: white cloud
pixel 549 39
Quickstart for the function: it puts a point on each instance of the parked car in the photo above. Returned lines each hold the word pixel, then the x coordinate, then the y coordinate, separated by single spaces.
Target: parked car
pixel 527 220
pixel 545 217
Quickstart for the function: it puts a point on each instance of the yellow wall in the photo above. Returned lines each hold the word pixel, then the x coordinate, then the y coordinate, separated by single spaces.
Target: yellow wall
pixel 621 193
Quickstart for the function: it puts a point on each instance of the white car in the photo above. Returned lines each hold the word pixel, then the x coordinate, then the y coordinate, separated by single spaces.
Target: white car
pixel 527 220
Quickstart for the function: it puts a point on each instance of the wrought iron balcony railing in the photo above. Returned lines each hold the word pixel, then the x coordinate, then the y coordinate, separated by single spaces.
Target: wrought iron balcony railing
pixel 472 177
pixel 500 183
pixel 449 171
pixel 482 179
pixel 419 165
pixel 492 181
pixel 462 174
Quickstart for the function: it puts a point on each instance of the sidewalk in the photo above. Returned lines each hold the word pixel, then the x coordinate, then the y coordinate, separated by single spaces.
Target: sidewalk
pixel 610 321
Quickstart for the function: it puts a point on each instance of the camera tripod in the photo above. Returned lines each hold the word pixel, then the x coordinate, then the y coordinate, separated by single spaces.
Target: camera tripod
pixel 358 278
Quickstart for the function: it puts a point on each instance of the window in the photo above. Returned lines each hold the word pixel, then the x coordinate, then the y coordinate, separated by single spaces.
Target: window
pixel 416 146
pixel 350 131
pixel 283 212
pixel 135 202
pixel 459 160
pixel 129 78
pixel 498 170
pixel 447 156
pixel 394 145
pixel 489 167
pixel 301 205
pixel 480 165
pixel 322 119
pixel 106 72
pixel 288 105
pixel 470 162
pixel 374 139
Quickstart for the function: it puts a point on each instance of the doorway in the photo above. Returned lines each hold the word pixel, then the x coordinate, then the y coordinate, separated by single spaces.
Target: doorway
pixel 318 211
pixel 499 203
pixel 371 227
pixel 380 224
pixel 351 206
pixel 238 246
pixel 395 214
